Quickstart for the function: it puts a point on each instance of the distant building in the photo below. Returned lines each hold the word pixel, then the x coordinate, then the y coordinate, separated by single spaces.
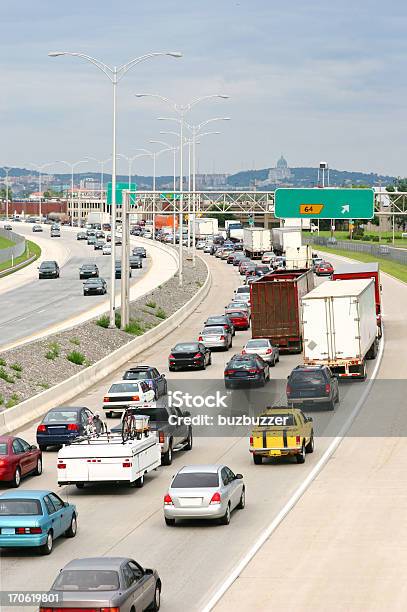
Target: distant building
pixel 281 173
pixel 211 181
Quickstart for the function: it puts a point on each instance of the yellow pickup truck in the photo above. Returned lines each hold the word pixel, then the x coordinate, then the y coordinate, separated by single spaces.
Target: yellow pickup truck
pixel 282 431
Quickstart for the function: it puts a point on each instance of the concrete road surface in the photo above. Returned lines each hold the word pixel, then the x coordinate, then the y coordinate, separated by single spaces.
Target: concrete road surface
pixel 38 307
pixel 193 558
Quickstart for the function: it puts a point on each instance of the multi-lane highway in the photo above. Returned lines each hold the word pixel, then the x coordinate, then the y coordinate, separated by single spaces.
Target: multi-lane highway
pixel 193 558
pixel 32 307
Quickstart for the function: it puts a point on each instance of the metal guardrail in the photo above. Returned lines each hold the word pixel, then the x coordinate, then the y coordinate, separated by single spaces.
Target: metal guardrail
pixel 384 251
pixel 14 251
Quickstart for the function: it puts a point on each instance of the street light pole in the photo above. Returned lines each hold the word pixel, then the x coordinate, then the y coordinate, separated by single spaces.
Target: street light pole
pixel 6 170
pixel 73 165
pixel 181 110
pixel 174 151
pixel 114 74
pixel 102 163
pixel 39 170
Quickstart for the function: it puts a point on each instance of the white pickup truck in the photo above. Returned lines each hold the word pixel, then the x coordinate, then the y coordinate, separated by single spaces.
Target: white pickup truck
pixel 106 458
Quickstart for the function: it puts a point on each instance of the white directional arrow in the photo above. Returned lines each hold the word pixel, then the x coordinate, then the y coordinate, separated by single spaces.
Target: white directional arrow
pixel 345 208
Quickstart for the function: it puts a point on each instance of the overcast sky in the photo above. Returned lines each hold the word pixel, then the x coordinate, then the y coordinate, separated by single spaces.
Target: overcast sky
pixel 314 80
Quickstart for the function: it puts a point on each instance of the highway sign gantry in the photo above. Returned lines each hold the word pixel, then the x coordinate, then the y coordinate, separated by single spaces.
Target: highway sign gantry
pixel 326 203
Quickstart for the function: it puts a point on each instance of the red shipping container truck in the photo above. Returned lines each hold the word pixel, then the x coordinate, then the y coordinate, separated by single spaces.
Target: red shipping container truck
pixel 360 271
pixel 275 303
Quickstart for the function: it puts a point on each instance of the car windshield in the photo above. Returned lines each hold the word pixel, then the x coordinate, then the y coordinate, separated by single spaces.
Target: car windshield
pixel 257 344
pixel 195 480
pixel 88 267
pixel 215 320
pixel 132 375
pixel 243 290
pixel 56 416
pixel 47 264
pixel 186 347
pixel 20 507
pixel 94 281
pixel 3 448
pixel 214 330
pixel 87 580
pixel 236 313
pixel 307 376
pixel 124 388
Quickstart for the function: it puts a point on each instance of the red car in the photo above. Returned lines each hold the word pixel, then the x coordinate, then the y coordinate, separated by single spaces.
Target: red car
pixel 17 459
pixel 239 318
pixel 324 269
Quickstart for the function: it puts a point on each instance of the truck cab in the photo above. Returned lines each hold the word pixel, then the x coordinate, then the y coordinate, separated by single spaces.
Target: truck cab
pixel 280 432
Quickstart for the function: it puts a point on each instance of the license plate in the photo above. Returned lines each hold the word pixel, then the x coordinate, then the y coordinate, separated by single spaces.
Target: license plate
pixel 8 531
pixel 190 501
pixel 241 374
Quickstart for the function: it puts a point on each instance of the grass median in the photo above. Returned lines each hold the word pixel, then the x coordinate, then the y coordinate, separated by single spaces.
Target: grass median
pixel 392 268
pixel 5 243
pixel 31 249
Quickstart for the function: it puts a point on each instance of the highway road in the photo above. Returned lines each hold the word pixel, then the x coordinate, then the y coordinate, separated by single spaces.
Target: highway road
pixel 193 558
pixel 37 305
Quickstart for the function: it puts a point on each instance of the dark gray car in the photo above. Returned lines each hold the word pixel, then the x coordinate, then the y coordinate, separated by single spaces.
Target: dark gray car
pixel 107 582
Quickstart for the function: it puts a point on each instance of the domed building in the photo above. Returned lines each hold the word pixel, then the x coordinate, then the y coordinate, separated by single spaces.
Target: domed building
pixel 280 173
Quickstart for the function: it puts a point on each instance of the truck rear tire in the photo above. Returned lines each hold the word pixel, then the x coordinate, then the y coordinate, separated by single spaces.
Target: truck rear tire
pixel 301 456
pixel 310 446
pixel 258 459
pixel 166 459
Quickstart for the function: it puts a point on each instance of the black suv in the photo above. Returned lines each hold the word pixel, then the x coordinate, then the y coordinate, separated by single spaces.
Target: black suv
pixel 151 376
pixel 140 251
pixel 216 320
pixel 118 269
pixel 48 269
pixel 309 385
pixel 88 271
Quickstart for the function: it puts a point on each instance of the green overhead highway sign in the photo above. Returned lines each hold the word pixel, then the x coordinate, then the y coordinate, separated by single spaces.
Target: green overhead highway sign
pixel 120 187
pixel 326 203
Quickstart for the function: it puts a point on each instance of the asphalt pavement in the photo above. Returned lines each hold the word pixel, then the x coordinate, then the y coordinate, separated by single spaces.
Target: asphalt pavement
pixel 193 558
pixel 38 305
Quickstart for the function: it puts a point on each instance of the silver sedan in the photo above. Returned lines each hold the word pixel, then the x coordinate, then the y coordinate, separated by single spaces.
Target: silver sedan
pixel 107 583
pixel 263 348
pixel 216 337
pixel 204 492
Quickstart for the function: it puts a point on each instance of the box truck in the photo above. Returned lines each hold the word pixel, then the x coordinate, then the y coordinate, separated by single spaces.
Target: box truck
pixel 298 257
pixel 234 230
pixel 275 303
pixel 205 226
pixel 339 326
pixel 256 241
pixel 363 270
pixel 284 237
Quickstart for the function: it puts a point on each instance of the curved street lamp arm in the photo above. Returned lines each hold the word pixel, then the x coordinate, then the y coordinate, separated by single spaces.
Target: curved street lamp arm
pixel 109 72
pixel 121 70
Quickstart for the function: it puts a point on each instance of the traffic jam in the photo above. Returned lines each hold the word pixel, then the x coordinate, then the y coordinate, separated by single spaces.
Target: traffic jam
pixel 287 301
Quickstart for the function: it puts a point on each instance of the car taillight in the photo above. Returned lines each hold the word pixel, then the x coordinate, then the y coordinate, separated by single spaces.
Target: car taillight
pixel 168 500
pixel 106 399
pixel 41 428
pixel 243 352
pixel 215 498
pixel 197 356
pixel 254 371
pixel 200 338
pixel 28 530
pixel 126 464
pixel 135 398
pixel 161 437
pixel 288 390
pixel 269 351
pixel 72 427
pixel 327 388
pixel 251 440
pixel 171 357
pixel 61 466
pixel 222 337
pixel 297 440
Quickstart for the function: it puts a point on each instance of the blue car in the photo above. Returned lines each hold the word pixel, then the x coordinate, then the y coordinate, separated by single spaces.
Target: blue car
pixel 35 519
pixel 62 424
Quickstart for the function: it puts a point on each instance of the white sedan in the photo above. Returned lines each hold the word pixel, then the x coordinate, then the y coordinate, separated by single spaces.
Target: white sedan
pixel 263 348
pixel 125 393
pixel 107 249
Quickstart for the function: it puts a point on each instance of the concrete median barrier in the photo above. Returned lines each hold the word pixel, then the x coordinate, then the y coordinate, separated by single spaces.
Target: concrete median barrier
pixel 27 411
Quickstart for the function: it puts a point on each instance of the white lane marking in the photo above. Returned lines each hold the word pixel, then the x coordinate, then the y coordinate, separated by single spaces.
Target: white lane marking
pixel 40 311
pixel 23 318
pixel 297 494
